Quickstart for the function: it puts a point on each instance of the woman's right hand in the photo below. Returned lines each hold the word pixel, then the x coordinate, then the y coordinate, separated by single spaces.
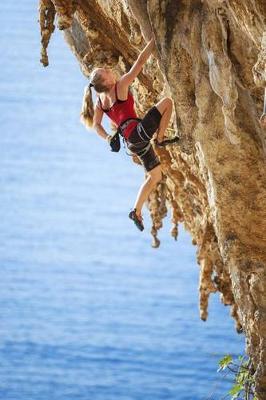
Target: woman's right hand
pixel 108 138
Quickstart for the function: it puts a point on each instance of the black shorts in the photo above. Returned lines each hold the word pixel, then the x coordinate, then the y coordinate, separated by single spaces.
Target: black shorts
pixel 138 141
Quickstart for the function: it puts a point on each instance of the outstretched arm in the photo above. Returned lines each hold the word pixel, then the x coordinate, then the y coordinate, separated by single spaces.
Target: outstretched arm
pixel 129 77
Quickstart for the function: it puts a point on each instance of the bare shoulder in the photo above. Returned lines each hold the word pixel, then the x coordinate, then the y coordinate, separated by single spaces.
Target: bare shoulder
pixel 122 89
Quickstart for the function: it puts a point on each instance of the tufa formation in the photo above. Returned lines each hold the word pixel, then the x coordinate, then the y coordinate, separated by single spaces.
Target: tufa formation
pixel 210 58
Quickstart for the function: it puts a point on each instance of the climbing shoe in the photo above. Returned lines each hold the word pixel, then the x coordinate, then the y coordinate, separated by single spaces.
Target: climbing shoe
pixel 167 141
pixel 138 222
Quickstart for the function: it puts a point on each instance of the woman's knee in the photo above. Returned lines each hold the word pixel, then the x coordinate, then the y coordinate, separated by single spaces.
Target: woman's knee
pixel 164 104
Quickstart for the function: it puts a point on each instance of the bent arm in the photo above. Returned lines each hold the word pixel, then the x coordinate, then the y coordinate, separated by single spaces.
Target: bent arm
pixel 101 131
pixel 97 125
pixel 136 68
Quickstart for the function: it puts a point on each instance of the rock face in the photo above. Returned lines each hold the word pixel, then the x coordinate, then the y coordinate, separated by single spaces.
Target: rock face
pixel 211 59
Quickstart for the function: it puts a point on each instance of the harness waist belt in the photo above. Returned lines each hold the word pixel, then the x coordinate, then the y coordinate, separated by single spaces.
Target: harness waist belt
pixel 125 123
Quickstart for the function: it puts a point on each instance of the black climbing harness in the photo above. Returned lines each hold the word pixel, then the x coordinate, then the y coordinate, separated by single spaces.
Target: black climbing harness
pixel 137 147
pixel 115 141
pixel 123 126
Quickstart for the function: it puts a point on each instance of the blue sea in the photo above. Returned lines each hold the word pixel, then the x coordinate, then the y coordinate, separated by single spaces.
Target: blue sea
pixel 89 310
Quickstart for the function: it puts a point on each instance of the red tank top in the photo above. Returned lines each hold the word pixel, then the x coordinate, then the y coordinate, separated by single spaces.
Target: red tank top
pixel 120 111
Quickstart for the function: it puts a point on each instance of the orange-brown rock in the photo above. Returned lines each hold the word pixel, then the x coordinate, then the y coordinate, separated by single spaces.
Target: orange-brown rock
pixel 210 58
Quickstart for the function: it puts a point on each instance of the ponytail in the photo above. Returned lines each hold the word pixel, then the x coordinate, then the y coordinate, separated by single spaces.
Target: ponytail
pixel 87 112
pixel 87 109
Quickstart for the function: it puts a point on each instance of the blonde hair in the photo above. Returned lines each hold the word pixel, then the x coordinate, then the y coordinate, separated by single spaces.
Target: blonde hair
pixel 87 110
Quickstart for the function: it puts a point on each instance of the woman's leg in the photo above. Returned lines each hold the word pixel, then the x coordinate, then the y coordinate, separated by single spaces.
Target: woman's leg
pixel 154 176
pixel 148 127
pixel 165 106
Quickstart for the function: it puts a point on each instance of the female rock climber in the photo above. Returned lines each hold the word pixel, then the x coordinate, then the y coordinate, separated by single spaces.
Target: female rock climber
pixel 115 99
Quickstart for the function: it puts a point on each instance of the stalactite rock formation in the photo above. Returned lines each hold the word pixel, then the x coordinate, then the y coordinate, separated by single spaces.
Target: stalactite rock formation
pixel 210 58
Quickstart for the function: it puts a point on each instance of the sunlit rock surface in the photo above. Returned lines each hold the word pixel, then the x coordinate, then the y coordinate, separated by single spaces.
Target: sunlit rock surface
pixel 210 58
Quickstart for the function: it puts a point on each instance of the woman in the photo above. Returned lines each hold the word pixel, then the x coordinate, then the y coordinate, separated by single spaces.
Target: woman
pixel 115 99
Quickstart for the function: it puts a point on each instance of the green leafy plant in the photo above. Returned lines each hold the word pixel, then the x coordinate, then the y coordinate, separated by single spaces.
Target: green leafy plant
pixel 244 384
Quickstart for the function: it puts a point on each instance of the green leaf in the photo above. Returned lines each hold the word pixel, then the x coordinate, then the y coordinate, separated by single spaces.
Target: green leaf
pixel 235 390
pixel 242 377
pixel 223 363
